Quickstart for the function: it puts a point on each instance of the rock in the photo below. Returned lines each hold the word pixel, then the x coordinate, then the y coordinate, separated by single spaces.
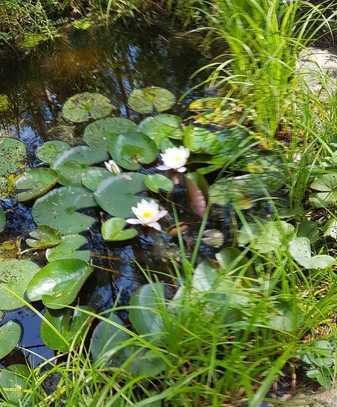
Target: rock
pixel 318 68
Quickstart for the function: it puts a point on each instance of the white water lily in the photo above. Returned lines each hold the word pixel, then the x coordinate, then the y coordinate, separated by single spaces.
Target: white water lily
pixel 174 158
pixel 112 167
pixel 147 213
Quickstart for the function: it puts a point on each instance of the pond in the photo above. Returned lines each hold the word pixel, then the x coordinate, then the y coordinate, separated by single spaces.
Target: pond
pixel 111 61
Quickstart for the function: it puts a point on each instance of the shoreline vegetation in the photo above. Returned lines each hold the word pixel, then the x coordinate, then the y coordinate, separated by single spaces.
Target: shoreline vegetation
pixel 252 324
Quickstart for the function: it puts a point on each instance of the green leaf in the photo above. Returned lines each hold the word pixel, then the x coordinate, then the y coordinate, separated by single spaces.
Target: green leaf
pixel 158 182
pixel 13 384
pixel 331 229
pixel 68 249
pixel 15 275
pixel 204 277
pixel 10 334
pixel 161 128
pixel 59 283
pixel 2 219
pixel 101 132
pixel 147 363
pixel 132 149
pixel 327 186
pixel 202 141
pixel 151 99
pixel 70 324
pixel 124 189
pixel 93 176
pixel 58 209
pixel 300 250
pixel 35 182
pixel 43 237
pixel 51 150
pixel 144 313
pixel 85 106
pixel 112 230
pixel 12 156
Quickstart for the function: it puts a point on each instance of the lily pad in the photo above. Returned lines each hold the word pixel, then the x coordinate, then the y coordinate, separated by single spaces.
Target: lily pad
pixel 117 195
pixel 43 237
pixel 113 230
pixel 58 209
pixel 2 219
pixel 161 128
pixel 59 283
pixel 100 132
pixel 158 182
pixel 15 276
pixel 93 176
pixel 14 383
pixel 327 186
pixel 51 150
pixel 300 250
pixel 85 106
pixel 10 334
pixel 72 164
pixel 35 182
pixel 151 99
pixel 68 249
pixel 12 156
pixel 70 324
pixel 132 149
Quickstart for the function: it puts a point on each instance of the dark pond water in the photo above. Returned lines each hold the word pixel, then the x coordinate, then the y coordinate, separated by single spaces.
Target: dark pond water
pixel 112 61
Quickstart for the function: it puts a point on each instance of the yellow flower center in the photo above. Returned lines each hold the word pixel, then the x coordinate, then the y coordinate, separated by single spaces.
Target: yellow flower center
pixel 147 215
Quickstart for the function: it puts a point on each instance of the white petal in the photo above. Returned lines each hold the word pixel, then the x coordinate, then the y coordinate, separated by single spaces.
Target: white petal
pixel 155 225
pixel 162 213
pixel 163 167
pixel 181 169
pixel 133 221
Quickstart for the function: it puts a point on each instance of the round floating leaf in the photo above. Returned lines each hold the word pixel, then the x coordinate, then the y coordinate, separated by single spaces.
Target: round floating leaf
pixel 59 283
pixel 105 341
pixel 15 276
pixel 12 156
pixel 10 334
pixel 85 106
pixel 50 150
pixel 132 149
pixel 152 98
pixel 147 363
pixel 145 316
pixel 58 209
pixel 13 383
pixel 158 182
pixel 327 186
pixel 43 237
pixel 112 230
pixel 70 324
pixel 68 249
pixel 300 250
pixel 93 176
pixel 35 182
pixel 2 219
pixel 72 164
pixel 98 133
pixel 118 194
pixel 161 128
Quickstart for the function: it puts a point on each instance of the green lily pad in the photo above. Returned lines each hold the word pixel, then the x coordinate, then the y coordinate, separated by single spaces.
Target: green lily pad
pixel 112 230
pixel 132 149
pixel 300 250
pixel 161 128
pixel 58 209
pixel 85 106
pixel 144 310
pixel 151 99
pixel 118 194
pixel 72 164
pixel 44 237
pixel 51 150
pixel 10 334
pixel 100 132
pixel 4 103
pixel 2 220
pixel 70 324
pixel 68 249
pixel 158 182
pixel 12 156
pixel 59 283
pixel 34 183
pixel 15 276
pixel 203 141
pixel 93 176
pixel 327 186
pixel 13 384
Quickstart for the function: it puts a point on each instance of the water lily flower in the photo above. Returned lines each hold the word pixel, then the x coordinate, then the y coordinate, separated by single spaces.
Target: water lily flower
pixel 174 158
pixel 147 214
pixel 112 167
